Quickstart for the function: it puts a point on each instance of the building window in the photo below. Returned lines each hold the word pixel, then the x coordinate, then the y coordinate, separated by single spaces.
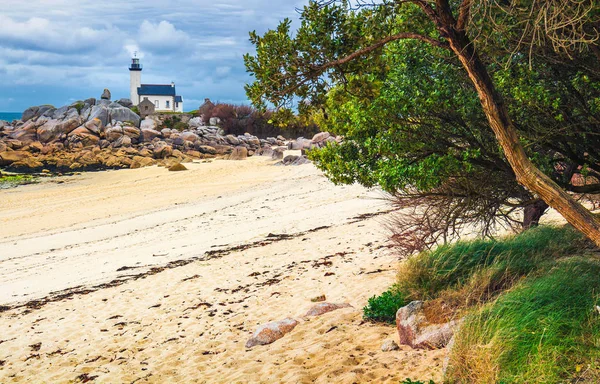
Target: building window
pixel 176 105
pixel 167 103
pixel 156 103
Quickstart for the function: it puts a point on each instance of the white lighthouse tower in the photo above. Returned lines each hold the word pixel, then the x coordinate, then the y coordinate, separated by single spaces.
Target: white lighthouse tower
pixel 135 80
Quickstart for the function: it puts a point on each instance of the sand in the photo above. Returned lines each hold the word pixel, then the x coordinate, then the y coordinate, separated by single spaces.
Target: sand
pixel 154 276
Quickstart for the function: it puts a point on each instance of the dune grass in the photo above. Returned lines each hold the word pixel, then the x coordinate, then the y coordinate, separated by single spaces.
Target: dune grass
pixel 545 330
pixel 528 303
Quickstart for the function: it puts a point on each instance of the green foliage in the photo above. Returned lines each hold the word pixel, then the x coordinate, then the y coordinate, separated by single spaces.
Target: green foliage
pixel 180 126
pixel 383 308
pixel 79 107
pixel 543 331
pixel 411 117
pixel 171 120
pixel 135 109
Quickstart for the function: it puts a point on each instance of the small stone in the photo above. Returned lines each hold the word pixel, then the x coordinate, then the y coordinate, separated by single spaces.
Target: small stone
pixel 105 95
pixel 322 308
pixel 318 299
pixel 270 332
pixel 389 345
pixel 177 167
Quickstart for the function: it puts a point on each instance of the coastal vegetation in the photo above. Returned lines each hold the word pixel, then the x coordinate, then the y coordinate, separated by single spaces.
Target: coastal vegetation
pixel 501 59
pixel 478 116
pixel 528 303
pixel 239 119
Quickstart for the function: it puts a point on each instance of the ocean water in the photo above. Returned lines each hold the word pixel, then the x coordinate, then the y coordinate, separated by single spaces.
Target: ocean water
pixel 10 116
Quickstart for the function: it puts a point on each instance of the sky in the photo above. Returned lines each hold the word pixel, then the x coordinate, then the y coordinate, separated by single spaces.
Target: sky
pixel 59 51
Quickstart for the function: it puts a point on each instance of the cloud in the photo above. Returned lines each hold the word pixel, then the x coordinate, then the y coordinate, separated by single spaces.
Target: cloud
pixel 40 34
pixel 162 37
pixel 52 51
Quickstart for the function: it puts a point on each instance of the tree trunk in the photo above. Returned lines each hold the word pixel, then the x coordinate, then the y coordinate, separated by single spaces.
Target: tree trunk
pixel 526 172
pixel 533 213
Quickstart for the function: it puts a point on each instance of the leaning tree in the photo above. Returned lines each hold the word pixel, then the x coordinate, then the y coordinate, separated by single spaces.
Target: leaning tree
pixel 338 41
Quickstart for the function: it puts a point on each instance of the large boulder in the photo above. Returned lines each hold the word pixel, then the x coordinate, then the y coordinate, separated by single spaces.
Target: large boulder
pixel 125 103
pixel 195 122
pixel 270 332
pixel 7 158
pixel 238 153
pixel 84 136
pixel 321 137
pixel 295 160
pixel 55 130
pixel 162 150
pixel 301 143
pixel 189 136
pixel 148 123
pixel 106 94
pixel 100 112
pixel 114 133
pixel 30 113
pixel 27 133
pixel 132 132
pixel 60 113
pixel 123 114
pixel 123 141
pixel 94 125
pixel 415 331
pixel 207 149
pixel 149 134
pixel 232 140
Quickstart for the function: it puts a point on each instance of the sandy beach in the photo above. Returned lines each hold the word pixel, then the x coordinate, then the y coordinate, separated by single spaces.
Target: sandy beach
pixel 146 275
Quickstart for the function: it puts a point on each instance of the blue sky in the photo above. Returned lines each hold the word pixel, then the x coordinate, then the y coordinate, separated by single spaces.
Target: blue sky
pixel 59 51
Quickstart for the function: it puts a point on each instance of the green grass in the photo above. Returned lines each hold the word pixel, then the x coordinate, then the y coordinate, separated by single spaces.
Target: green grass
pixel 545 330
pixel 494 263
pixel 528 302
pixel 383 308
pixel 12 181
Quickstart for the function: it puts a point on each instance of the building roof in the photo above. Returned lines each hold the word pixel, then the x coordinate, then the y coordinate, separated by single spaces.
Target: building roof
pixel 156 90
pixel 178 99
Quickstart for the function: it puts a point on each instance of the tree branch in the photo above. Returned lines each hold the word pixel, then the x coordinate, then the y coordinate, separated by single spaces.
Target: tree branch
pixel 379 44
pixel 463 15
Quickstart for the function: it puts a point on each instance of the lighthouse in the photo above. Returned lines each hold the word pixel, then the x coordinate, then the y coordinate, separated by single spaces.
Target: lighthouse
pixel 135 80
pixel 163 96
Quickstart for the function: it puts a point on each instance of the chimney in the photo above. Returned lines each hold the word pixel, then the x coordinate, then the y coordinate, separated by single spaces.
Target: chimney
pixel 173 84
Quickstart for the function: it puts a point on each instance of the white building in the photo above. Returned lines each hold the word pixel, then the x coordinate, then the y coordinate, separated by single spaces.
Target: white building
pixel 164 97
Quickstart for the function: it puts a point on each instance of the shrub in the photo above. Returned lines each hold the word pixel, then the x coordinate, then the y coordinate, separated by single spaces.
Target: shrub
pixel 180 126
pixel 239 119
pixel 135 110
pixel 383 308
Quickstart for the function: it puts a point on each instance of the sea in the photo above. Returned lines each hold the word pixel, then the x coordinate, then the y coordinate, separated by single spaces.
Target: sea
pixel 10 116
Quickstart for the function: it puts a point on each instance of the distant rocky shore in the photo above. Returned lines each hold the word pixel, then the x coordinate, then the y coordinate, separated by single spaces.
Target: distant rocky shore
pixel 103 134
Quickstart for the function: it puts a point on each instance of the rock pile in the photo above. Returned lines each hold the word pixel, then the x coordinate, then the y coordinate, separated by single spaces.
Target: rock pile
pixel 102 134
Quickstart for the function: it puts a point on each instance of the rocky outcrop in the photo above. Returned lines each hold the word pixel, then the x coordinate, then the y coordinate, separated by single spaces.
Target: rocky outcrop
pixel 415 331
pixel 270 332
pixel 99 134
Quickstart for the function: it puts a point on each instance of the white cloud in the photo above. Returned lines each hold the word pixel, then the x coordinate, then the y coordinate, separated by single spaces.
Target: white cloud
pixel 161 37
pixel 61 49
